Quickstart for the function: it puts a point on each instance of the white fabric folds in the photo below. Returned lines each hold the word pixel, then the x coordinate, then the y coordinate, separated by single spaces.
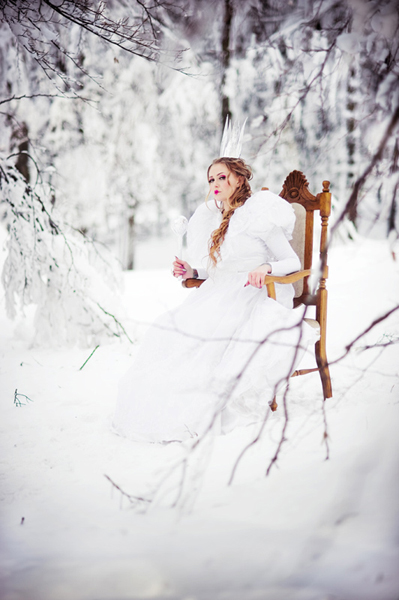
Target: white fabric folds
pixel 228 347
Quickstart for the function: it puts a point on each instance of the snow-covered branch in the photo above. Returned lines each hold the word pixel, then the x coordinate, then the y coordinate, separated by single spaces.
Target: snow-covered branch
pixel 54 270
pixel 37 25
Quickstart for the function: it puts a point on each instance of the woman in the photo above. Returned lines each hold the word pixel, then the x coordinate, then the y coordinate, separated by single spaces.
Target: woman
pixel 217 360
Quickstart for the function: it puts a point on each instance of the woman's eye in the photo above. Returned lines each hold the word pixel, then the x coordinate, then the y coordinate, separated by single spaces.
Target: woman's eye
pixel 211 181
pixel 222 177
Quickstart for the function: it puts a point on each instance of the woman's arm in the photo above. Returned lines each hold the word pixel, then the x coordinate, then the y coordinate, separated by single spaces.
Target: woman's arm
pixel 181 268
pixel 286 259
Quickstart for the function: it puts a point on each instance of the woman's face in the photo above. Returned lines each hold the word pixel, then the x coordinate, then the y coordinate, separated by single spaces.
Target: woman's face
pixel 222 183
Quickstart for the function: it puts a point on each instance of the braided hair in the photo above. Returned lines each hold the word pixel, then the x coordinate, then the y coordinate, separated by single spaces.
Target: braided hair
pixel 237 199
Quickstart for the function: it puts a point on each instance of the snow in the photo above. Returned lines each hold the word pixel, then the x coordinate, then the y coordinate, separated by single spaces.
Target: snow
pixel 348 42
pixel 314 529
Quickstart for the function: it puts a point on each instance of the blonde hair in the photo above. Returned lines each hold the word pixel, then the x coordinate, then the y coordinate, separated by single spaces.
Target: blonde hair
pixel 237 199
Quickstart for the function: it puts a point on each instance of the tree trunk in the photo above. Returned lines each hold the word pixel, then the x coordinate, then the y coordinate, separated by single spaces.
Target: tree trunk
pixel 20 137
pixel 393 211
pixel 351 138
pixel 226 55
pixel 130 243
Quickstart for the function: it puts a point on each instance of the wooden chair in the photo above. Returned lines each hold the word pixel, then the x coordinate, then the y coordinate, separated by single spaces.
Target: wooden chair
pixel 296 192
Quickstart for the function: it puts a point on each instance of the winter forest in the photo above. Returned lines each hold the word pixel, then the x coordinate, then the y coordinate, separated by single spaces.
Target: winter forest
pixel 110 114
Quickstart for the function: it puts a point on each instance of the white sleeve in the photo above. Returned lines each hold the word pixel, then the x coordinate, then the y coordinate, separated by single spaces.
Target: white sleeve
pixel 200 227
pixel 202 273
pixel 286 259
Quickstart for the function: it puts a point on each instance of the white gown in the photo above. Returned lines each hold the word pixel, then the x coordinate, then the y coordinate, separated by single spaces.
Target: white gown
pixel 227 348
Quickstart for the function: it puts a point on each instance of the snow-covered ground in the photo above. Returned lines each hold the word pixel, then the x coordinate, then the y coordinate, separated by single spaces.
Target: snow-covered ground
pixel 314 529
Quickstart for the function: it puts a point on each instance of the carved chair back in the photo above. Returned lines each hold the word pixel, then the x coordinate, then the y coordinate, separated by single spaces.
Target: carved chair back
pixel 296 191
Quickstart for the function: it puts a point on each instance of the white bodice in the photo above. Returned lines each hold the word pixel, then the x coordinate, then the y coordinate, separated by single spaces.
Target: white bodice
pixel 245 244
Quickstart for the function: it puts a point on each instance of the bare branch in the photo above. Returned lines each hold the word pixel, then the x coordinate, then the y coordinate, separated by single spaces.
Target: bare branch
pixel 325 432
pixel 254 441
pixel 371 326
pixel 282 436
pixel 136 34
pixel 117 322
pixel 30 96
pixel 89 357
pixel 106 30
pixel 353 198
pixel 132 499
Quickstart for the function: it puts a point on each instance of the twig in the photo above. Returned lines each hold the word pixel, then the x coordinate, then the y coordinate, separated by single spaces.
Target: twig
pixel 29 97
pixel 25 153
pixel 378 345
pixel 349 346
pixel 132 499
pixel 282 437
pixel 180 500
pixel 116 321
pixel 326 437
pixel 17 401
pixel 371 326
pixel 87 359
pixel 263 424
pixel 106 34
pixel 248 446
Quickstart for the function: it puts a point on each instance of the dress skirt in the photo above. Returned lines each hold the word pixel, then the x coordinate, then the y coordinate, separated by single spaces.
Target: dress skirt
pixel 225 351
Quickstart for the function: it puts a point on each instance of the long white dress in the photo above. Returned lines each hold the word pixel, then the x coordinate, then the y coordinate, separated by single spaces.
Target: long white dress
pixel 229 347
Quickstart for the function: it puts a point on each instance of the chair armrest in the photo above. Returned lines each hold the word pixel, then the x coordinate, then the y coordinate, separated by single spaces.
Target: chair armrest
pixel 291 278
pixel 270 280
pixel 192 283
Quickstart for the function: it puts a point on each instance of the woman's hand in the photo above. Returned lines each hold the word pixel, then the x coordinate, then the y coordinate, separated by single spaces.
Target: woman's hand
pixel 257 276
pixel 181 268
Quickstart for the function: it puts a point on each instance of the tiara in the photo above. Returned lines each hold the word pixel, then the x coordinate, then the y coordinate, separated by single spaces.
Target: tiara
pixel 232 139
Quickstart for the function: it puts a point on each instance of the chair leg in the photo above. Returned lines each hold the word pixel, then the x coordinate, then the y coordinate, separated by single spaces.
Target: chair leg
pixel 322 363
pixel 320 347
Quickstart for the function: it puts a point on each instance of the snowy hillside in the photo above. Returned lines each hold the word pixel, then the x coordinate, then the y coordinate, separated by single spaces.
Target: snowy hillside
pixel 312 530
